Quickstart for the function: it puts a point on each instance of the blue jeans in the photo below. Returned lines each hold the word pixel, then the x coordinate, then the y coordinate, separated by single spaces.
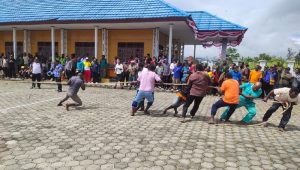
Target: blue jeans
pixel 141 95
pixel 220 104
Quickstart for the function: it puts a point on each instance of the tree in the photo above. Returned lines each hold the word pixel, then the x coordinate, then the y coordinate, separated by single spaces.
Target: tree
pixel 291 54
pixel 232 54
pixel 264 56
pixel 297 58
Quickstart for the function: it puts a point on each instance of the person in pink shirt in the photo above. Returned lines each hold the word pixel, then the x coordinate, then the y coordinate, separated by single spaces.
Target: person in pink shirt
pixel 147 80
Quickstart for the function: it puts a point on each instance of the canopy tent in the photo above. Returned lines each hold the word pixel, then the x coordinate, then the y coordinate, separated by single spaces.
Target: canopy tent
pixel 213 31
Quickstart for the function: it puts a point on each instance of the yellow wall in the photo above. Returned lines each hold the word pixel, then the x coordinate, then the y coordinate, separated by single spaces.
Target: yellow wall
pixel 83 36
pixel 43 36
pixel 116 36
pixel 7 36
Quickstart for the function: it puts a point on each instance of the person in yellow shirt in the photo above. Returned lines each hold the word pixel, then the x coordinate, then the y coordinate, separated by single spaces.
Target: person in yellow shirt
pixel 87 70
pixel 255 75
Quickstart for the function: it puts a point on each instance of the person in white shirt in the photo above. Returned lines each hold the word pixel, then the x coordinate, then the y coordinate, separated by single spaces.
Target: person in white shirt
pixel 36 73
pixel 26 59
pixel 119 70
pixel 285 97
pixel 172 66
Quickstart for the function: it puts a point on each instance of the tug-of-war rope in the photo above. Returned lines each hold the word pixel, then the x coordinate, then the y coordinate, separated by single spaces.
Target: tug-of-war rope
pixel 286 106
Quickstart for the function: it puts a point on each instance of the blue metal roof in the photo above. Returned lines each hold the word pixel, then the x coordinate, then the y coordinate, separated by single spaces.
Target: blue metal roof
pixel 208 22
pixel 64 10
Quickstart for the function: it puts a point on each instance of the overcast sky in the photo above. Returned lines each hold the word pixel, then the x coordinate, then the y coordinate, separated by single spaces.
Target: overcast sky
pixel 273 25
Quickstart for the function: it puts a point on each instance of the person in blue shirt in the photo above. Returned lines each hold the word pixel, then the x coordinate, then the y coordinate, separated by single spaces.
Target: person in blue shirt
pixel 269 80
pixel 79 66
pixel 185 72
pixel 249 92
pixel 236 74
pixel 177 74
pixel 57 71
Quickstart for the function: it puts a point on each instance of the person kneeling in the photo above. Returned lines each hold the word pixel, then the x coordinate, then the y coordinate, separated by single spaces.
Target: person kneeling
pixel 75 83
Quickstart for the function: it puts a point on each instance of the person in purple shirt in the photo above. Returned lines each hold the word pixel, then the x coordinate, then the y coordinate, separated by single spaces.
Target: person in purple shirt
pixel 236 74
pixel 177 74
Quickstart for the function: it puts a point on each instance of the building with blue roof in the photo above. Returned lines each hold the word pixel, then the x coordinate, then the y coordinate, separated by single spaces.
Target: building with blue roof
pixel 114 28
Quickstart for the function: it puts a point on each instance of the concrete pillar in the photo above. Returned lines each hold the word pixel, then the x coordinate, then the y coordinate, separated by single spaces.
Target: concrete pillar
pixel 105 42
pixel 262 63
pixel 170 43
pixel 28 41
pixel 224 50
pixel 291 65
pixel 155 46
pixel 195 48
pixel 96 41
pixel 25 42
pixel 53 43
pixel 62 43
pixel 15 42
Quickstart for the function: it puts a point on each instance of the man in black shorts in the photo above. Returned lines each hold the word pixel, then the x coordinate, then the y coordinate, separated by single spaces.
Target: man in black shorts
pixel 75 83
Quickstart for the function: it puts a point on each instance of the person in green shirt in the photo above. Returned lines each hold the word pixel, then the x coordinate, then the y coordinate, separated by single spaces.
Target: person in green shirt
pixel 249 92
pixel 103 66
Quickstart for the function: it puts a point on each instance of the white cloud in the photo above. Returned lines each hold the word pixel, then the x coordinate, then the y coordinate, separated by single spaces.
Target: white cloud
pixel 271 24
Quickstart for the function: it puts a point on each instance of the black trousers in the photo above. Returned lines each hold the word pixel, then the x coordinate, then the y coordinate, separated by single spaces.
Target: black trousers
pixel 96 77
pixel 59 85
pixel 267 88
pixel 6 71
pixel 36 77
pixel 197 100
pixel 69 74
pixel 220 104
pixel 285 116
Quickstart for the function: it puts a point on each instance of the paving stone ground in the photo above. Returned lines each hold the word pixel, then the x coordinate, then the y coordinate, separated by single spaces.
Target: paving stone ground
pixel 36 134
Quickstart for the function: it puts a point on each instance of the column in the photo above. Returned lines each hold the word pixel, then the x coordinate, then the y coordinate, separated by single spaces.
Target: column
pixel 62 43
pixel 155 46
pixel 195 48
pixel 96 41
pixel 15 42
pixel 105 42
pixel 182 52
pixel 170 43
pixel 53 43
pixel 25 42
pixel 28 41
pixel 224 50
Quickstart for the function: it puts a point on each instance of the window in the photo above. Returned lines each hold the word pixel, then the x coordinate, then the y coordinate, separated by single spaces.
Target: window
pixel 44 49
pixel 9 48
pixel 84 49
pixel 128 50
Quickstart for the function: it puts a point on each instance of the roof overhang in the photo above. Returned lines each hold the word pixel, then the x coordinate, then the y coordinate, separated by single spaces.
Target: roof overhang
pixel 181 30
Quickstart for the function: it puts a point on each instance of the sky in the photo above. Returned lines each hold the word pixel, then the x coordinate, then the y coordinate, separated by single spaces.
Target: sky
pixel 273 25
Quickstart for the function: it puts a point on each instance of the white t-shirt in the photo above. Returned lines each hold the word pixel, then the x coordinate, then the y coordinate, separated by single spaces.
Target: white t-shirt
pixel 26 58
pixel 283 95
pixel 172 66
pixel 36 68
pixel 119 68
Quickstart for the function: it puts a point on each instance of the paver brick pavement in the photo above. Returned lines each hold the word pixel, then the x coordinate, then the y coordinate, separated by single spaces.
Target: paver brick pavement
pixel 36 134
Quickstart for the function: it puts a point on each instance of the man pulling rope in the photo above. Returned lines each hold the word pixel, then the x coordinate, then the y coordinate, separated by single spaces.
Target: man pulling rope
pixel 75 83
